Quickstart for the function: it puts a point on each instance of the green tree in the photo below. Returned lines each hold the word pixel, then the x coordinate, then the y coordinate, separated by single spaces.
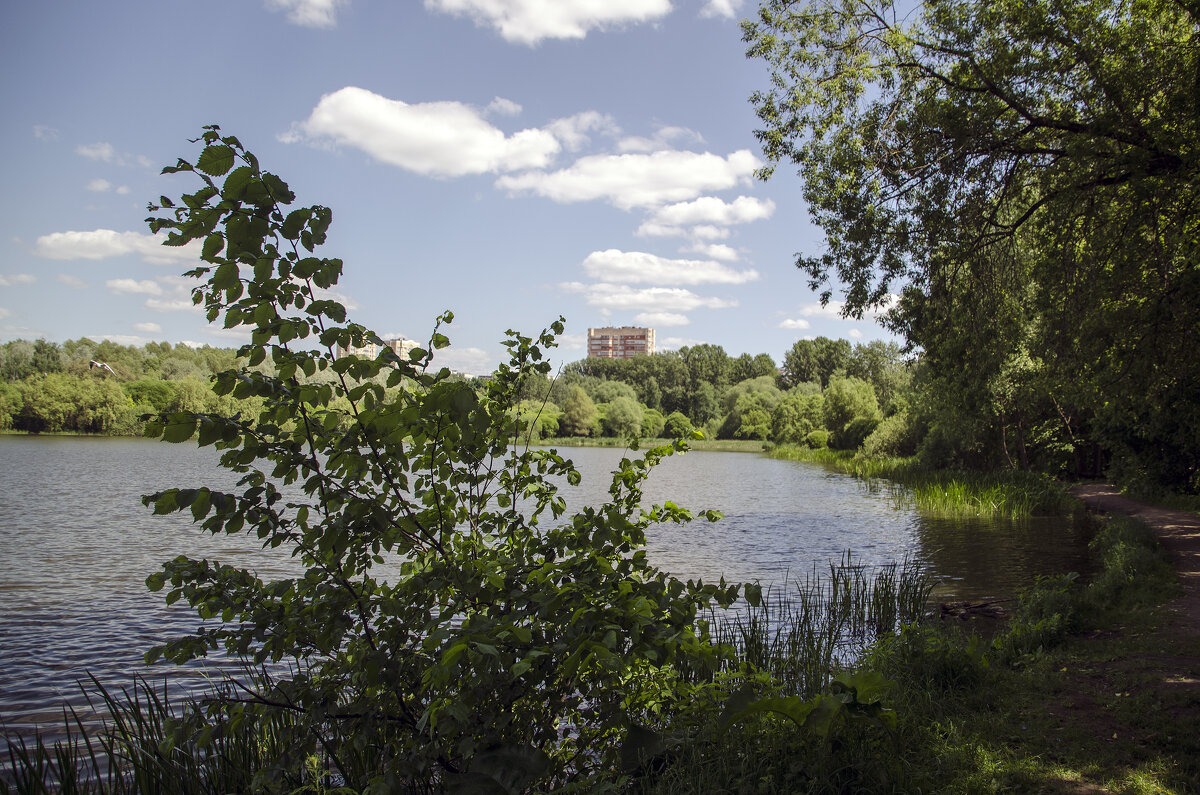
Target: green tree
pixel 796 415
pixel 652 423
pixel 814 360
pixel 974 157
pixel 498 623
pixel 579 413
pixel 846 400
pixel 677 426
pixel 623 418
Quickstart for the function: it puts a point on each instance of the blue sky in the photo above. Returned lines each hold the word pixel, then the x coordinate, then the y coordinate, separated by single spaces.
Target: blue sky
pixel 509 160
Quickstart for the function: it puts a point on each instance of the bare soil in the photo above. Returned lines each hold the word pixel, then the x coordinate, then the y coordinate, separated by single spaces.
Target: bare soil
pixel 1136 706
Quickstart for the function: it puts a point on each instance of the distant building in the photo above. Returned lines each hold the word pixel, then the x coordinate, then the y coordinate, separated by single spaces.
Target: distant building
pixel 400 345
pixel 620 343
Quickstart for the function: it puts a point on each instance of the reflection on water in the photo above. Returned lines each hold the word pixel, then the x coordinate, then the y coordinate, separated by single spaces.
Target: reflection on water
pixel 76 545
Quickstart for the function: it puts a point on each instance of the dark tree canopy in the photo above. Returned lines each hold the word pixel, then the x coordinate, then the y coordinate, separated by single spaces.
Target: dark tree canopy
pixel 1024 174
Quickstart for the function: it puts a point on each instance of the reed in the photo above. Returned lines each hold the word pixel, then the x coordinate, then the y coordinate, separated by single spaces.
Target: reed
pixel 811 628
pixel 1003 493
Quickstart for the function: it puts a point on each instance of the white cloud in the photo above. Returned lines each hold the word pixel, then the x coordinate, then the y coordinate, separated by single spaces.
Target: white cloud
pixel 173 305
pixel 649 299
pixel 472 361
pixel 44 133
pixel 97 151
pixel 99 185
pixel 573 131
pixel 715 251
pixel 795 323
pixel 104 243
pixel 71 281
pixel 17 279
pixel 4 313
pixel 721 8
pixel 639 267
pixel 709 232
pixel 443 139
pixel 122 190
pixel 637 180
pixel 238 335
pixel 833 309
pixel 661 319
pixel 664 138
pixel 711 210
pixel 133 286
pixel 674 343
pixel 530 21
pixel 309 13
pixel 148 328
pixel 648 229
pixel 855 333
pixel 504 107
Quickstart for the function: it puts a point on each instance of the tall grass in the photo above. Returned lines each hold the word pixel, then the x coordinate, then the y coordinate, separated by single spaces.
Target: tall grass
pixel 803 634
pixel 1003 493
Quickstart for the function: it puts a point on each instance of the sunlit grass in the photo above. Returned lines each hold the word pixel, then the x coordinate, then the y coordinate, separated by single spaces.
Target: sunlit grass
pixel 954 493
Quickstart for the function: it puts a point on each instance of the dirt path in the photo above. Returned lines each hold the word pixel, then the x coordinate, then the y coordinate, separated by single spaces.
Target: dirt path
pixel 1177 531
pixel 1136 700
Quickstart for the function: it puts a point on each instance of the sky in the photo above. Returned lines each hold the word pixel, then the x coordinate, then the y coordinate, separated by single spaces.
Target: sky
pixel 508 160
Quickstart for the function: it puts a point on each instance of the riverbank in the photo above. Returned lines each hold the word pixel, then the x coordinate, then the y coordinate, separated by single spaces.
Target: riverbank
pixel 721 445
pixel 947 492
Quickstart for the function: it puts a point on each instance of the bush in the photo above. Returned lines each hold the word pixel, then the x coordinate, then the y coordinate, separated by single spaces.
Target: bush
pixel 677 426
pixel 856 431
pixel 652 423
pixel 894 436
pixel 817 439
pixel 494 626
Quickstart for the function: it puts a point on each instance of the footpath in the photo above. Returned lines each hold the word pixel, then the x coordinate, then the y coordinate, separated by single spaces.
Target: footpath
pixel 1141 705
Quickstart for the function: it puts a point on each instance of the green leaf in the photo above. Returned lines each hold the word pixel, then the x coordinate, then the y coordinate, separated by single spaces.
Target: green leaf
pixel 216 160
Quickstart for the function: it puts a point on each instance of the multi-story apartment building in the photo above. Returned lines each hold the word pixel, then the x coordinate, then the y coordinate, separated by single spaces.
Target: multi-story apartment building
pixel 400 346
pixel 624 342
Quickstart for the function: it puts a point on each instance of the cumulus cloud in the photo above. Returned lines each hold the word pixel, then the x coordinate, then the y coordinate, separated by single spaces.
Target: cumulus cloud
pixel 530 21
pixel 442 139
pixel 832 309
pixel 573 131
pixel 105 243
pixel 121 339
pixel 17 279
pixel 711 210
pixel 99 185
pixel 637 180
pixel 173 305
pixel 73 282
pixel 133 286
pixel 661 319
pixel 721 8
pixel 147 328
pixel 504 107
pixel 709 232
pixel 472 361
pixel 649 299
pixel 98 151
pixel 715 251
pixel 795 323
pixel 309 13
pixel 613 265
pixel 664 138
pixel 855 333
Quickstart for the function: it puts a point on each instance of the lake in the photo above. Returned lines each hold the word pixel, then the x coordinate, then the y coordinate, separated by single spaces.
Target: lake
pixel 76 545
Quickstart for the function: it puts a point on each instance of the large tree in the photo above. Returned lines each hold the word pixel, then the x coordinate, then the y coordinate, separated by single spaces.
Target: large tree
pixel 1024 174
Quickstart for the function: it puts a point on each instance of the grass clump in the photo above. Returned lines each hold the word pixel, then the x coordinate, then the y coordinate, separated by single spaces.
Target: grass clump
pixel 953 493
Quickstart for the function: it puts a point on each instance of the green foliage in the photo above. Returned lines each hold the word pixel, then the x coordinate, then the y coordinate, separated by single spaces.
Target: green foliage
pixel 848 399
pixel 815 360
pixel 653 423
pixel 608 391
pixel 818 439
pixel 579 414
pixel 500 621
pixel 623 418
pixel 894 436
pixel 677 426
pixel 855 433
pixel 1023 175
pixel 797 414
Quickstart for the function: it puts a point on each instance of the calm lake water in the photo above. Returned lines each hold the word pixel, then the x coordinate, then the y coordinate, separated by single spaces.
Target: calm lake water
pixel 76 545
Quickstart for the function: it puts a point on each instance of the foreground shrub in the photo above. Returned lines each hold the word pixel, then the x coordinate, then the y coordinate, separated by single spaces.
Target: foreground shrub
pixel 503 641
